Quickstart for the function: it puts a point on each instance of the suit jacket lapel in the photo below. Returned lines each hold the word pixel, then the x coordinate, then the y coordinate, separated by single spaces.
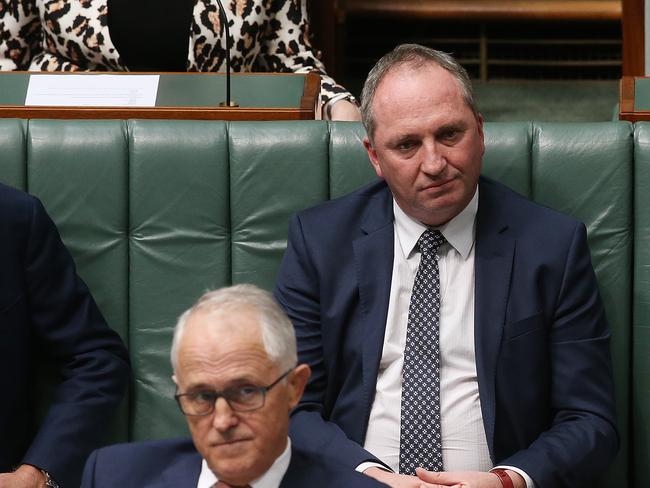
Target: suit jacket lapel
pixel 373 254
pixel 495 250
pixel 298 473
pixel 184 471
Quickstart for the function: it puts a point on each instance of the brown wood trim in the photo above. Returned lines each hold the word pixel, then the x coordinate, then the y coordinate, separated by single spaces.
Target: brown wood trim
pixel 180 113
pixel 634 37
pixel 306 111
pixel 627 111
pixel 175 73
pixel 491 10
pixel 310 93
pixel 635 117
pixel 627 94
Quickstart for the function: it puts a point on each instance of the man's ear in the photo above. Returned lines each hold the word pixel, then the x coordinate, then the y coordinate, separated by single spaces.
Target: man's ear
pixel 297 382
pixel 479 121
pixel 175 380
pixel 372 155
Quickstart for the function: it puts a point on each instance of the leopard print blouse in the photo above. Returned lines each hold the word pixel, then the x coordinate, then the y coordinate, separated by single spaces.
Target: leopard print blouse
pixel 72 35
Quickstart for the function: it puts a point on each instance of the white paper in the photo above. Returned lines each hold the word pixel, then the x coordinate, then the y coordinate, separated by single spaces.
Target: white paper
pixel 92 90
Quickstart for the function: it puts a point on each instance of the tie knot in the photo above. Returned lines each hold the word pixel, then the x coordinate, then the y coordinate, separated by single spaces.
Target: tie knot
pixel 430 241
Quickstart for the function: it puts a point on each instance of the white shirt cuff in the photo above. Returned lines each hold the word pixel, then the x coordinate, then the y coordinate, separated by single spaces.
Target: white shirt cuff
pixel 529 481
pixel 371 464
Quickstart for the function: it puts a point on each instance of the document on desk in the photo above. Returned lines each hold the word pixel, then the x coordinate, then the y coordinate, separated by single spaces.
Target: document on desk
pixel 92 90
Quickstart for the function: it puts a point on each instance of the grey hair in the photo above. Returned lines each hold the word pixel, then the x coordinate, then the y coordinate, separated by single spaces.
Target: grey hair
pixel 415 56
pixel 278 336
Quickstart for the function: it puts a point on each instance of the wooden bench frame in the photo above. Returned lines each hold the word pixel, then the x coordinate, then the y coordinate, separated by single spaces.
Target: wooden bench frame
pixel 487 9
pixel 329 18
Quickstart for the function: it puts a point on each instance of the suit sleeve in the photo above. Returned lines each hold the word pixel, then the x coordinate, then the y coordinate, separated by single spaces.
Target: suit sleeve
pixel 297 291
pixel 20 34
pixel 92 362
pixel 582 439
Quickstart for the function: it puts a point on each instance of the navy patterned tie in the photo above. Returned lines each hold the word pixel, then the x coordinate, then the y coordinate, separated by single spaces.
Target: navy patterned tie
pixel 420 439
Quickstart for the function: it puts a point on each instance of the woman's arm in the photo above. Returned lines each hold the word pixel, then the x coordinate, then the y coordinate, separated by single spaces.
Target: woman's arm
pixel 287 48
pixel 20 33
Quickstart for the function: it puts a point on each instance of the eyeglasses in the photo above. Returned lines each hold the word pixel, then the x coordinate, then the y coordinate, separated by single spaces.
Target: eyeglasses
pixel 240 398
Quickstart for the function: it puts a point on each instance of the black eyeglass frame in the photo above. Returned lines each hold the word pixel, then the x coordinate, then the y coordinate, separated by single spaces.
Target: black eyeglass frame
pixel 263 390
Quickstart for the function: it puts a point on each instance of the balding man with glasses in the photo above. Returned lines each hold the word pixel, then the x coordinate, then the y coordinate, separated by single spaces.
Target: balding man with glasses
pixel 234 360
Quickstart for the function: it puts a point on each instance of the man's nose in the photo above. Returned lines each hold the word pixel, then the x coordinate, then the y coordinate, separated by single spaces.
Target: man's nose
pixel 433 161
pixel 223 417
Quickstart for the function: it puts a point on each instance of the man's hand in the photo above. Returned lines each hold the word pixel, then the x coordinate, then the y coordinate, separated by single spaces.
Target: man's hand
pixel 395 480
pixel 25 476
pixel 467 479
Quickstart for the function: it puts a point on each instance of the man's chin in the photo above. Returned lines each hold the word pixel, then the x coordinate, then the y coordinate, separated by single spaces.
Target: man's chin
pixel 238 470
pixel 437 212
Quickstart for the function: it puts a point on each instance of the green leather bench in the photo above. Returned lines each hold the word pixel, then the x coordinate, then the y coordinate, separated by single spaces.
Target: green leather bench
pixel 156 212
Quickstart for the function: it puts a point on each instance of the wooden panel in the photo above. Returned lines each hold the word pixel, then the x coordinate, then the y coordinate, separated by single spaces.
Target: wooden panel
pixel 634 37
pixel 627 111
pixel 322 18
pixel 181 113
pixel 306 110
pixel 491 9
pixel 309 98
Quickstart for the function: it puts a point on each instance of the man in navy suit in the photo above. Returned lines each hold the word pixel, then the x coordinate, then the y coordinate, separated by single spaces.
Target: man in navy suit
pixel 519 391
pixel 234 359
pixel 46 311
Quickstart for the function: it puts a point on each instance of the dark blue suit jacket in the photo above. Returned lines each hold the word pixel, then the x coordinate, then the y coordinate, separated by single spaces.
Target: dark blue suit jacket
pixel 46 312
pixel 175 463
pixel 541 336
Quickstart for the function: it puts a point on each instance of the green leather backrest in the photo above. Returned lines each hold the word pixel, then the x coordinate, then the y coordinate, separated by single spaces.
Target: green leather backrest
pixel 587 172
pixel 156 212
pixel 641 300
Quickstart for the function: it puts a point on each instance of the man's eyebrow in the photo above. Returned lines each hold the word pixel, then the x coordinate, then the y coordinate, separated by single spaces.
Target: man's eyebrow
pixel 408 136
pixel 200 386
pixel 450 126
pixel 234 382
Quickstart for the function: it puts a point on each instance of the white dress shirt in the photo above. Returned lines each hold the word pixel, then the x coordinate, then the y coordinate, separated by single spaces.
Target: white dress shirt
pixel 464 444
pixel 270 479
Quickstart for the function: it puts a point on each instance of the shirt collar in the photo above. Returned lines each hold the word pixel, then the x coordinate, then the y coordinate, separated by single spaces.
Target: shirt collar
pixel 270 479
pixel 459 231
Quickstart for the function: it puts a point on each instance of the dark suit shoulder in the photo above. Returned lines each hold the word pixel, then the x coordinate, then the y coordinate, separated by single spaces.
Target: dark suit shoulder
pixel 18 214
pixel 170 462
pixel 496 199
pixel 155 449
pixel 24 218
pixel 9 194
pixel 16 209
pixel 337 222
pixel 317 471
pixel 350 206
